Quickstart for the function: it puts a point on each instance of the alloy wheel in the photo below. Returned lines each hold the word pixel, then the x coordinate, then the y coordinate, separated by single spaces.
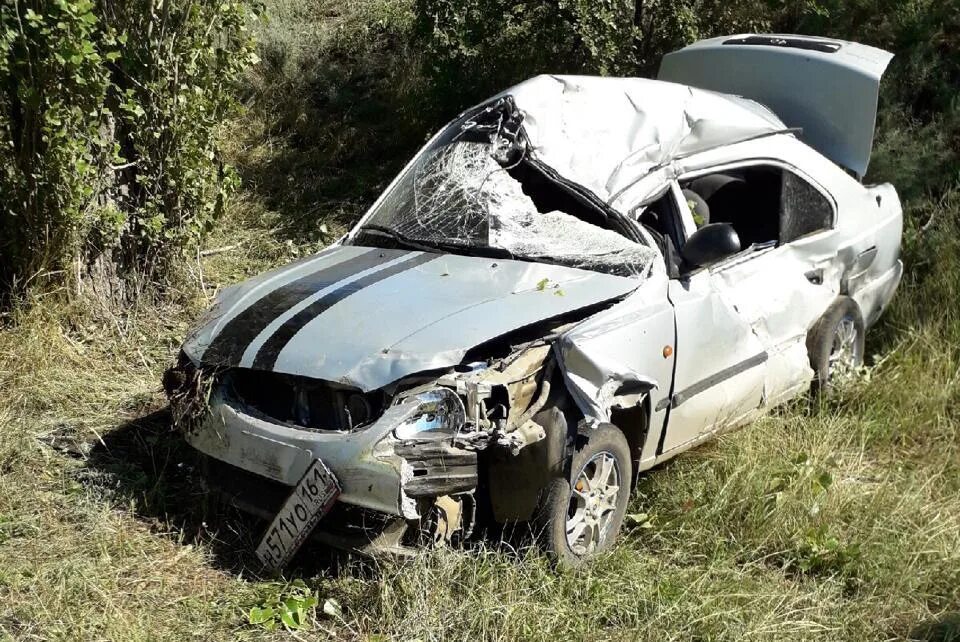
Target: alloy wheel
pixel 593 503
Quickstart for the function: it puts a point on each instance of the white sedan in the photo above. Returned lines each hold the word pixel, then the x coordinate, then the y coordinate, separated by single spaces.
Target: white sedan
pixel 571 283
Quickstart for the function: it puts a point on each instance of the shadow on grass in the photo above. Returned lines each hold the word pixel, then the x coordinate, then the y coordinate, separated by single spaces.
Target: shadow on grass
pixel 146 466
pixel 946 628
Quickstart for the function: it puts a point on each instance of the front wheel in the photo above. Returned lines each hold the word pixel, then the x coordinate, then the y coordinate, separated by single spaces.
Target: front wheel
pixel 581 516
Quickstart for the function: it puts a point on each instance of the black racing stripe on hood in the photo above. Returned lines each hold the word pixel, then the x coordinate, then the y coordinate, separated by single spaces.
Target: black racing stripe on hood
pixel 270 350
pixel 228 346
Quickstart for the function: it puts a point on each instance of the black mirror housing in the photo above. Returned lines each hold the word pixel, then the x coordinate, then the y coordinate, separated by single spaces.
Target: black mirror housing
pixel 709 244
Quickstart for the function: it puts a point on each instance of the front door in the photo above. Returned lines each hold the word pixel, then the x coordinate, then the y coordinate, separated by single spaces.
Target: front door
pixel 720 362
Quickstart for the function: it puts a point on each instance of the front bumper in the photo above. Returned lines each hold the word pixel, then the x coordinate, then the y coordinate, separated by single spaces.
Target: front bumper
pixel 376 469
pixel 370 473
pixel 346 527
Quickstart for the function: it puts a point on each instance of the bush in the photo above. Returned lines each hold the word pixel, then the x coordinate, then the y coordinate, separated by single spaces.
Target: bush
pixel 477 47
pixel 55 80
pixel 109 116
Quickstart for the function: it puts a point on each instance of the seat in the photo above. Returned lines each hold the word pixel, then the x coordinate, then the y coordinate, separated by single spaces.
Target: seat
pixel 749 208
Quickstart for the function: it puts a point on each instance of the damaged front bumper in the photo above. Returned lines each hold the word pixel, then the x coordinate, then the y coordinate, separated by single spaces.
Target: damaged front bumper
pixel 377 469
pixel 413 471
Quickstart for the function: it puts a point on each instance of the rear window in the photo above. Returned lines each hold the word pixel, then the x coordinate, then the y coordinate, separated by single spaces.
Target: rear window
pixel 804 210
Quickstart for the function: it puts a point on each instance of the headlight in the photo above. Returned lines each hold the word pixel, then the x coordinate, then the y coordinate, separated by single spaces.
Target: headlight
pixel 439 415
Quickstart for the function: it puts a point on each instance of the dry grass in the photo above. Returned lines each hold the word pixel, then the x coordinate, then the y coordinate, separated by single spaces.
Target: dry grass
pixel 835 522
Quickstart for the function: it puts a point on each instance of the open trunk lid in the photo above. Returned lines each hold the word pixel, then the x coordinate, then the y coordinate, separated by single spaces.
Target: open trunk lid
pixel 828 88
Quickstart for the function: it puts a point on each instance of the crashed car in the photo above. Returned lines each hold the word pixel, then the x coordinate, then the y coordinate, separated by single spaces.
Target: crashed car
pixel 569 284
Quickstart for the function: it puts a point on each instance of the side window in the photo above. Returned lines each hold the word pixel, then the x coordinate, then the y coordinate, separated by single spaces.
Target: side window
pixel 662 220
pixel 764 203
pixel 804 209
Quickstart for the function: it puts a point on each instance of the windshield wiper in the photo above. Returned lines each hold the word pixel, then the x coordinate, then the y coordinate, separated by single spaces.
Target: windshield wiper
pixel 398 237
pixel 448 245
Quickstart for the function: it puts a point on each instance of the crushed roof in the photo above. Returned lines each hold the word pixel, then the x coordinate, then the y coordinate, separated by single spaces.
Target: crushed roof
pixel 603 132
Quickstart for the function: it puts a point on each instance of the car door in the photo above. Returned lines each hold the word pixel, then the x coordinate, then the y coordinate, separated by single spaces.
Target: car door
pixel 780 291
pixel 742 322
pixel 719 364
pixel 778 294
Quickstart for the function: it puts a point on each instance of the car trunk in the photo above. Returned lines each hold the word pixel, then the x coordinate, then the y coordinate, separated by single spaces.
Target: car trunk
pixel 828 88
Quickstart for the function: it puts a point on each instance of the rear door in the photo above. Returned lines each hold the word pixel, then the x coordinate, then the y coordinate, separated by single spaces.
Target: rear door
pixel 826 87
pixel 742 323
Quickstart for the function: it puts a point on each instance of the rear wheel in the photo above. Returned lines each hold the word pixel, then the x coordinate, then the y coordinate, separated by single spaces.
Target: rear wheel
pixel 581 516
pixel 836 344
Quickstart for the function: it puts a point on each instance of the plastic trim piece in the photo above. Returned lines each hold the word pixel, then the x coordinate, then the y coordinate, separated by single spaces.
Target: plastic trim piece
pixel 717 378
pixel 794 43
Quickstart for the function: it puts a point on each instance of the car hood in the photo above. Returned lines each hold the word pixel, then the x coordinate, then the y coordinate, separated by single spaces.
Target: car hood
pixel 366 317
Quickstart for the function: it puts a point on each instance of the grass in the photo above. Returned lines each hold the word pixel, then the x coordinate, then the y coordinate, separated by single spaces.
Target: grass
pixel 834 521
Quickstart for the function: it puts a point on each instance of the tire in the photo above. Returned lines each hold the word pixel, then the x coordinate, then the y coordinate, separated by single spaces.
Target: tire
pixel 602 518
pixel 831 345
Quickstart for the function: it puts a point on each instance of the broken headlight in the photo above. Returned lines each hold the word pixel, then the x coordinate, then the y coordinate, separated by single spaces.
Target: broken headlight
pixel 439 415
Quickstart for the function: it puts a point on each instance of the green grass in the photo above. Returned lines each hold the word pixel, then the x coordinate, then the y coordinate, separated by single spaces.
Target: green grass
pixel 835 522
pixel 839 521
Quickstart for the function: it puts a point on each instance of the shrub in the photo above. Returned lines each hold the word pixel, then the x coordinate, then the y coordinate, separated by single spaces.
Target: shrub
pixel 54 83
pixel 109 117
pixel 476 47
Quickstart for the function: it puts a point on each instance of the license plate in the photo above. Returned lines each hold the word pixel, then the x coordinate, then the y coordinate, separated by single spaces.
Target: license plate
pixel 311 499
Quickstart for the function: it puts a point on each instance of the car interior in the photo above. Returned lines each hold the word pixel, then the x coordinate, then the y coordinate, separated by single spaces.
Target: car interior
pixel 765 206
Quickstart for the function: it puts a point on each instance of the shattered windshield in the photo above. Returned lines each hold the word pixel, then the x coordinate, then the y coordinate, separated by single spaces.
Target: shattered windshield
pixel 476 189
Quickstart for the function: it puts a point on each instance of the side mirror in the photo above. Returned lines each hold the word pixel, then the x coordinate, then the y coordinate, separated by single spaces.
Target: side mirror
pixel 709 244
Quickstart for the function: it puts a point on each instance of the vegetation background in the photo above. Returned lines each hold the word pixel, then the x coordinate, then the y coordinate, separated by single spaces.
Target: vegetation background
pixel 152 151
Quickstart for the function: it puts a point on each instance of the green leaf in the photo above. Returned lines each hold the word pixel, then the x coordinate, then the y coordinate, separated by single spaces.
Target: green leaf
pixel 287 619
pixel 638 520
pixel 824 480
pixel 260 615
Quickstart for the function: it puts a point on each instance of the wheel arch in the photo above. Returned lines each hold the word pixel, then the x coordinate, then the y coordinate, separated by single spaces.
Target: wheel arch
pixel 631 414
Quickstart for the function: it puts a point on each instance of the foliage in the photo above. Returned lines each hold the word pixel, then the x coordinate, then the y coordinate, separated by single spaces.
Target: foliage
pixel 919 131
pixel 475 47
pixel 173 85
pixel 336 107
pixel 54 79
pixel 109 114
pixel 292 608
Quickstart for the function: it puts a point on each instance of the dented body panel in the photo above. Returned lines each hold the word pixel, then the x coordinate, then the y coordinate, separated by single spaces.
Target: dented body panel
pixel 283 453
pixel 431 376
pixel 462 301
pixel 622 347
